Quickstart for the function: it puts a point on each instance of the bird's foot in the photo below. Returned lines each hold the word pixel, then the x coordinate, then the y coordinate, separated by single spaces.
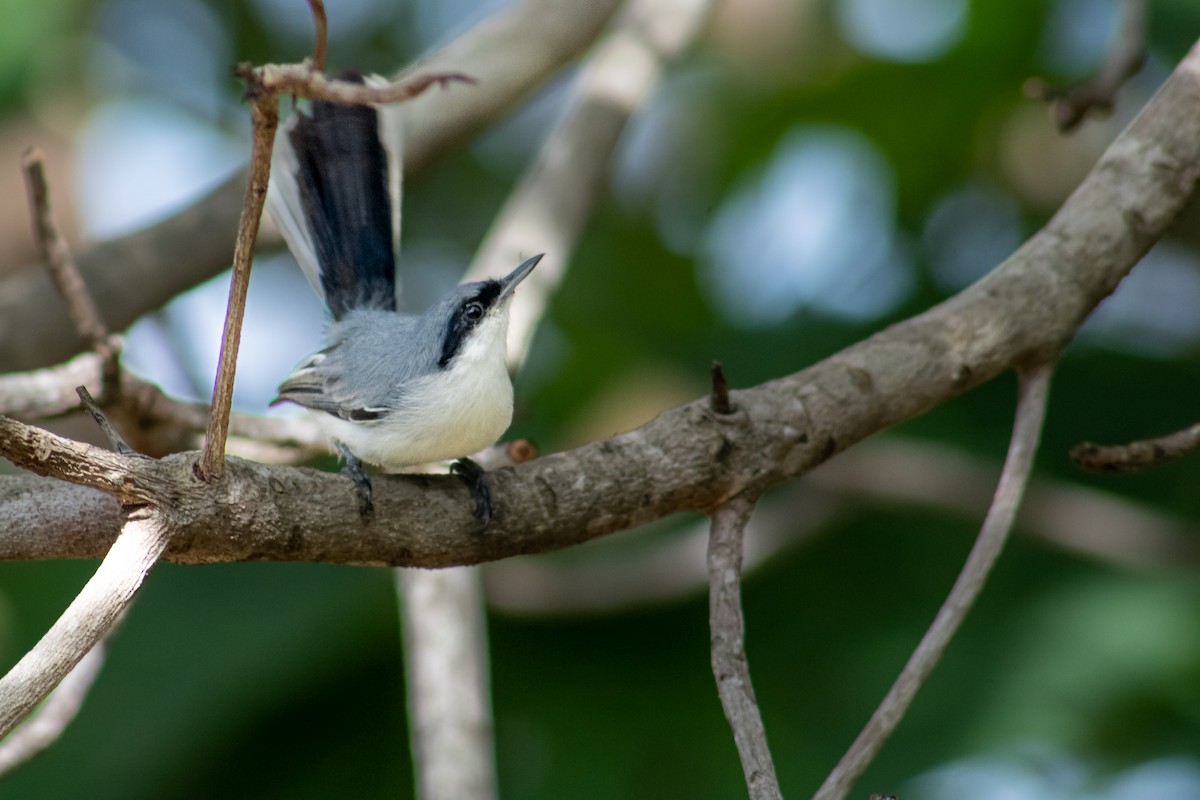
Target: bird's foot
pixel 475 478
pixel 362 484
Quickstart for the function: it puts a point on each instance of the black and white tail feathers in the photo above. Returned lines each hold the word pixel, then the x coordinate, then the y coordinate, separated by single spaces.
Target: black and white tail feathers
pixel 335 194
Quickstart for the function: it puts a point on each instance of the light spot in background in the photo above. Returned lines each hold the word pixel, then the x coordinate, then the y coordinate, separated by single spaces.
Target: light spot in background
pixel 1042 775
pixel 139 160
pixel 177 50
pixel 436 21
pixel 178 347
pixel 343 19
pixel 1153 311
pixel 902 30
pixel 1077 34
pixel 968 232
pixel 669 158
pixel 816 229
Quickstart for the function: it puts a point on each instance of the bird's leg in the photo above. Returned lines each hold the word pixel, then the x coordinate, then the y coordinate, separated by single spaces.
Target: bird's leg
pixel 475 478
pixel 354 471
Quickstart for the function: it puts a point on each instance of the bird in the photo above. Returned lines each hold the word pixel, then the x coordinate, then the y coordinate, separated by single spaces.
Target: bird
pixel 389 388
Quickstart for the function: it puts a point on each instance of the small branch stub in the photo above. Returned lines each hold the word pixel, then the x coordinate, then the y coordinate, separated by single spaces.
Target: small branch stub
pixel 719 398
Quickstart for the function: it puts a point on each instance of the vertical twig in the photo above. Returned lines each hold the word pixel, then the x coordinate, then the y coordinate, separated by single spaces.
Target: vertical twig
pixel 1027 428
pixel 265 118
pixel 729 665
pixel 320 27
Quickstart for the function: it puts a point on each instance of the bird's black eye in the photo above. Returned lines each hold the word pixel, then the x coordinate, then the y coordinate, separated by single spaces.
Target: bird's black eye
pixel 473 310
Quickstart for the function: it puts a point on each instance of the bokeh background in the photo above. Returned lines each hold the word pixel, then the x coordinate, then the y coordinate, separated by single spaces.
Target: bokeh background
pixel 812 171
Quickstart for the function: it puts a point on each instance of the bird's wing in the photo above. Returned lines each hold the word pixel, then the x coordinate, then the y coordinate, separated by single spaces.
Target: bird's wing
pixel 317 385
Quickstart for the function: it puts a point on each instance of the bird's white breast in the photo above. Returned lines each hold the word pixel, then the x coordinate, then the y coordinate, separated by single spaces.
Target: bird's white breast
pixel 447 414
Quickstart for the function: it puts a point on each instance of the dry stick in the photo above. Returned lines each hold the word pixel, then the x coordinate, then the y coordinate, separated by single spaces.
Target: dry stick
pixel 1136 455
pixel 87 619
pixel 1123 60
pixel 43 727
pixel 320 27
pixel 56 253
pixel 729 665
pixel 450 707
pixel 264 116
pixel 1027 428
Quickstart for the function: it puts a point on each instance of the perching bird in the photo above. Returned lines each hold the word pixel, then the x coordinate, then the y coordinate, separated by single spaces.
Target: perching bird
pixel 390 388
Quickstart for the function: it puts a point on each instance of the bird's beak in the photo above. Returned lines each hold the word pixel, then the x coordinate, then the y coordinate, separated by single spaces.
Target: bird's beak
pixel 510 281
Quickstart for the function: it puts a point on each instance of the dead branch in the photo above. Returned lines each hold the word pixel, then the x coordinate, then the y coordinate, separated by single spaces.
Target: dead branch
pixel 1138 455
pixel 56 253
pixel 729 665
pixel 1027 429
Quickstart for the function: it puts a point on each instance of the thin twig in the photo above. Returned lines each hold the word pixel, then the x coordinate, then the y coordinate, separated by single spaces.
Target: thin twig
pixel 1031 411
pixel 1097 93
pixel 50 719
pixel 303 80
pixel 729 665
pixel 265 118
pixel 56 253
pixel 320 28
pixel 1136 455
pixel 87 619
pixel 110 433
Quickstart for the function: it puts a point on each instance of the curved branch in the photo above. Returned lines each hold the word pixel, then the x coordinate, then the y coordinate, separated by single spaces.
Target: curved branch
pixel 89 616
pixel 126 275
pixel 1027 430
pixel 688 458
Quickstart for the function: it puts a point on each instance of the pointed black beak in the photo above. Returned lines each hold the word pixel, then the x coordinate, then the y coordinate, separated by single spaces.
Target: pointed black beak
pixel 509 282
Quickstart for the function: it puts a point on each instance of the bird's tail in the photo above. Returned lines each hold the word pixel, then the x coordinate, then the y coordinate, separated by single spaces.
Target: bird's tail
pixel 335 195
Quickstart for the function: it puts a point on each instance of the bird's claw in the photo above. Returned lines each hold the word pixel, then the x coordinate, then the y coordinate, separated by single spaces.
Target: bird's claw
pixel 475 477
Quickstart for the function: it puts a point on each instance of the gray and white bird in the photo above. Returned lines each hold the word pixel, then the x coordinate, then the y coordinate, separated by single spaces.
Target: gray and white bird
pixel 389 388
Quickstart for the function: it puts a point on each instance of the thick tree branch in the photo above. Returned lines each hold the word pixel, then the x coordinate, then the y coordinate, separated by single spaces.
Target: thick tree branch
pixel 1027 429
pixel 126 274
pixel 688 458
pixel 729 665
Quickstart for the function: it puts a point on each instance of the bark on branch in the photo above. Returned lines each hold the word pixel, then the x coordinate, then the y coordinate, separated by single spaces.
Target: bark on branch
pixel 687 458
